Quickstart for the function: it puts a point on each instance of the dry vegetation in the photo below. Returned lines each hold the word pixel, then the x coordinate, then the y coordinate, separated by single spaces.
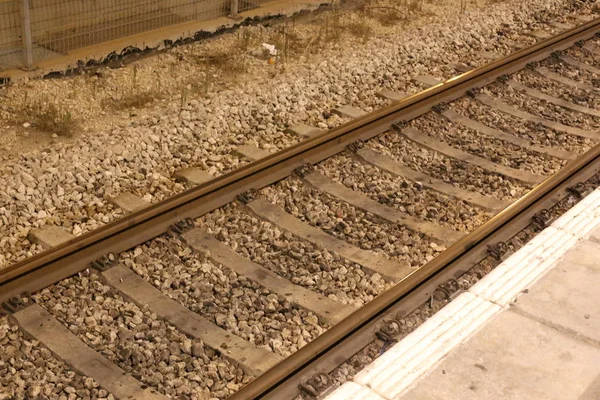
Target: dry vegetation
pixel 195 70
pixel 132 96
pixel 46 115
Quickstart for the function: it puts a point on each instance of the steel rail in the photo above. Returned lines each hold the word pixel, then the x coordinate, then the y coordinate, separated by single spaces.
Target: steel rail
pixel 275 383
pixel 345 339
pixel 50 266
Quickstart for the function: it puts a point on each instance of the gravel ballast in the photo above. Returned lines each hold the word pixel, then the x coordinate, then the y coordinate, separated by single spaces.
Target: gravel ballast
pixel 447 169
pixel 585 98
pixel 583 76
pixel 120 147
pixel 543 108
pixel 537 133
pixel 293 258
pixel 479 144
pixel 583 56
pixel 147 348
pixel 199 110
pixel 402 194
pixel 230 301
pixel 351 224
pixel 28 370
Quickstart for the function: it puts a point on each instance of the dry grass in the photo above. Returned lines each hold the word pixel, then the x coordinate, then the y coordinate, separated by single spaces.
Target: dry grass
pixel 227 62
pixel 48 117
pixel 133 98
pixel 397 11
pixel 133 95
pixel 232 62
pixel 246 39
pixel 415 6
pixel 360 29
pixel 288 42
pixel 389 16
pixel 333 27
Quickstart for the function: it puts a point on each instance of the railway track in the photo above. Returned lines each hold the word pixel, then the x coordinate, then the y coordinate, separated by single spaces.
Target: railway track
pixel 269 274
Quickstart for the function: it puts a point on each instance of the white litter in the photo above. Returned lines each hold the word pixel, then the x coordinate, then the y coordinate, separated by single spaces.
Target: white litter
pixel 271 48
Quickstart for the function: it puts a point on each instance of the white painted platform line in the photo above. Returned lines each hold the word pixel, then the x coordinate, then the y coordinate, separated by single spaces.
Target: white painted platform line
pixel 583 217
pixel 524 267
pixel 405 363
pixel 353 391
pixel 392 373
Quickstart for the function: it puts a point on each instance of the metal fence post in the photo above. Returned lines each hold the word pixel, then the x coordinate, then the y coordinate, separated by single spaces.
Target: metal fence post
pixel 26 35
pixel 233 10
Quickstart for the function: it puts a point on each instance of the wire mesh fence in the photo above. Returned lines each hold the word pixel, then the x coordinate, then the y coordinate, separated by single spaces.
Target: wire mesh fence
pixel 42 29
pixel 10 34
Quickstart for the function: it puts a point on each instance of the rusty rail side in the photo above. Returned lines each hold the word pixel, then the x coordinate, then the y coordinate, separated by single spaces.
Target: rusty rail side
pixel 281 380
pixel 62 261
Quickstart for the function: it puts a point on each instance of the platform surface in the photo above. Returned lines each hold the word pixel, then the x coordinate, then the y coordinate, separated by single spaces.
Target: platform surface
pixel 546 346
